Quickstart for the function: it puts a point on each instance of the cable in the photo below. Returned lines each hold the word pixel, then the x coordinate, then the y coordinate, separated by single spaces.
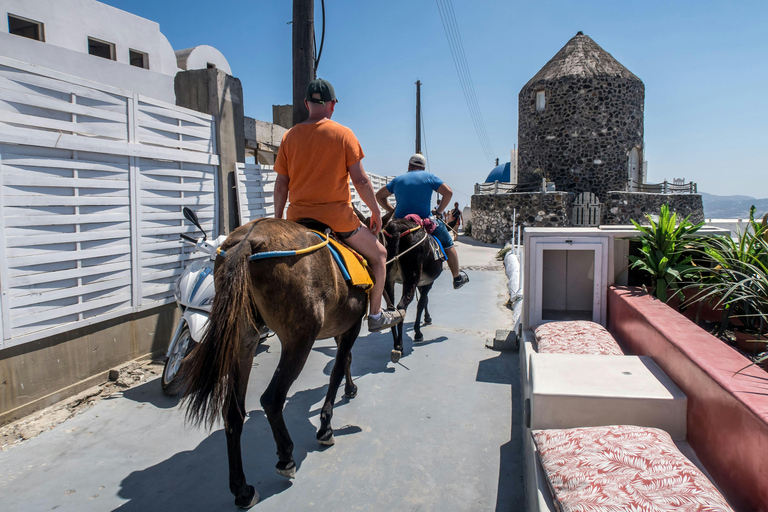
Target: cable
pixel 322 40
pixel 424 134
pixel 450 26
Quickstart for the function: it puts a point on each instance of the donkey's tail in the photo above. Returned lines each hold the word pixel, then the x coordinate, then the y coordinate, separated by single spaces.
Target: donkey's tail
pixel 210 370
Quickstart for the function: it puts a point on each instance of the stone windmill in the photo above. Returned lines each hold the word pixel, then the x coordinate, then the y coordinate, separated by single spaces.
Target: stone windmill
pixel 581 122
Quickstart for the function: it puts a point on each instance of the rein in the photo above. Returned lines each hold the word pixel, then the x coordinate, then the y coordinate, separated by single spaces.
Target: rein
pixel 279 254
pixel 398 256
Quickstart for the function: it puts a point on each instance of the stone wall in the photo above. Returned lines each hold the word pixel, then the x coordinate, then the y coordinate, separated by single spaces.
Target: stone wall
pixel 620 207
pixel 582 138
pixel 492 213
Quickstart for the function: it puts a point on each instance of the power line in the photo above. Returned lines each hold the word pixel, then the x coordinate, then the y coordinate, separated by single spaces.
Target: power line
pixel 450 26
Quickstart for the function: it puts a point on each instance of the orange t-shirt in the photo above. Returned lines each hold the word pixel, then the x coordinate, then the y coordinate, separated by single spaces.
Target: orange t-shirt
pixel 315 157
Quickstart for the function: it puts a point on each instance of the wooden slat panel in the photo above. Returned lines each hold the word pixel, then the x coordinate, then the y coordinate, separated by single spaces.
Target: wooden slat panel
pixel 12 79
pixel 15 162
pixel 23 324
pixel 31 180
pixel 199 131
pixel 51 220
pixel 65 293
pixel 60 106
pixel 46 277
pixel 150 138
pixel 64 256
pixel 113 131
pixel 148 105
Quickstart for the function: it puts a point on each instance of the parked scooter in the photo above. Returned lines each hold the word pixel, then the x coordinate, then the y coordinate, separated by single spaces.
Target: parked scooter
pixel 194 292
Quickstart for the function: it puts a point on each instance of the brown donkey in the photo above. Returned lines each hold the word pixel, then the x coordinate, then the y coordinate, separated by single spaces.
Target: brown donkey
pixel 302 298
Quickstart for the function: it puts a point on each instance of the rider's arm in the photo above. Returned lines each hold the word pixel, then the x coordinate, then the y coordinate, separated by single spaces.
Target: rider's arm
pixel 381 198
pixel 446 193
pixel 365 191
pixel 281 195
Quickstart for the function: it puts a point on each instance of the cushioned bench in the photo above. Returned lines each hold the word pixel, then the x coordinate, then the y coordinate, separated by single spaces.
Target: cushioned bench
pixel 575 337
pixel 624 467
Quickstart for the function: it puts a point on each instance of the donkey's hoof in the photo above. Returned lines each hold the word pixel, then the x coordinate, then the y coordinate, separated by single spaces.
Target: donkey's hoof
pixel 395 355
pixel 249 499
pixel 327 438
pixel 428 320
pixel 418 337
pixel 286 469
pixel 350 391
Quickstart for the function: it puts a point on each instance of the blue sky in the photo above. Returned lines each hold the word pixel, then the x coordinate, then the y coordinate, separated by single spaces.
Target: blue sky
pixel 704 65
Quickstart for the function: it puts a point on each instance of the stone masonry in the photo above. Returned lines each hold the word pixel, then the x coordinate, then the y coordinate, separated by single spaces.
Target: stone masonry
pixel 492 213
pixel 620 207
pixel 591 120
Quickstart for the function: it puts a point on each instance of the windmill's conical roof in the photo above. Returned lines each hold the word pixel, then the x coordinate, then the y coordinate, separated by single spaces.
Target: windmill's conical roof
pixel 581 57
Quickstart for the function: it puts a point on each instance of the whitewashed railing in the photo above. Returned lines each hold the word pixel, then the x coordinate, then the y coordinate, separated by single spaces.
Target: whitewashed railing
pixel 93 182
pixel 256 186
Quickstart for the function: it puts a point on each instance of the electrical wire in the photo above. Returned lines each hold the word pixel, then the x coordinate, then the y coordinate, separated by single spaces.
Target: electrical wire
pixel 322 40
pixel 450 26
pixel 424 136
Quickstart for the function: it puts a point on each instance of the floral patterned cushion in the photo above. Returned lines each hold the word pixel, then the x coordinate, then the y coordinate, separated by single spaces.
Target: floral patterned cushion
pixel 575 337
pixel 618 468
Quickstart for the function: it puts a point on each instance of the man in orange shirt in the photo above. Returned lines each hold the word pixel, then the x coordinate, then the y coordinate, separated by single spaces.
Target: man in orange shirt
pixel 315 161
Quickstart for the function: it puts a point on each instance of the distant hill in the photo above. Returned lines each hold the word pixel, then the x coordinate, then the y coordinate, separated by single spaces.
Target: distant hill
pixel 732 207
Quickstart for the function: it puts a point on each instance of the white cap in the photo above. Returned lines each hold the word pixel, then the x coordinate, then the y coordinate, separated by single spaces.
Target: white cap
pixel 418 160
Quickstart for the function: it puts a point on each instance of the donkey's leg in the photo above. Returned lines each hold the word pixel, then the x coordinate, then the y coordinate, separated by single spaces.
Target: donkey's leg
pixel 420 306
pixel 344 344
pixel 234 416
pixel 292 359
pixel 409 290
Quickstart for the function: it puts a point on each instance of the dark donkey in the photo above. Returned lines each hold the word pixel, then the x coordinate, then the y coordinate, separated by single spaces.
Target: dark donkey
pixel 302 298
pixel 413 265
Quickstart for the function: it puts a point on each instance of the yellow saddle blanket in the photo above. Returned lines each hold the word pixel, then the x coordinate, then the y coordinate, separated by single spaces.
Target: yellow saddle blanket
pixel 353 265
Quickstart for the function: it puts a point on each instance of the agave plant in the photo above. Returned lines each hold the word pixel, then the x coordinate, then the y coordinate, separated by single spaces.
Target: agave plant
pixel 664 252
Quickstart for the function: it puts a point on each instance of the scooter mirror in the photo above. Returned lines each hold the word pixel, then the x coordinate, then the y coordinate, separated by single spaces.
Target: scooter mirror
pixel 192 217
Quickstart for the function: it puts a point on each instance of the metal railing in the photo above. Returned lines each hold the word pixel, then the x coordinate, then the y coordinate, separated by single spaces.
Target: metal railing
pixel 508 188
pixel 664 187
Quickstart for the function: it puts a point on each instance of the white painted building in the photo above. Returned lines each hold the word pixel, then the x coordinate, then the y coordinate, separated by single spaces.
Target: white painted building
pixel 100 43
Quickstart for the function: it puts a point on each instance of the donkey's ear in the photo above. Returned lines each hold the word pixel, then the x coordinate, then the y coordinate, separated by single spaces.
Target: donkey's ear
pixel 386 218
pixel 360 216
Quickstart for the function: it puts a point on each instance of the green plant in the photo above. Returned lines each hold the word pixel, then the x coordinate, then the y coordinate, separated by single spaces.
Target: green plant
pixel 737 276
pixel 664 253
pixel 468 228
pixel 503 252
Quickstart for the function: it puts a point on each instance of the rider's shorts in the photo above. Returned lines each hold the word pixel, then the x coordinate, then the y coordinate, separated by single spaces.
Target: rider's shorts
pixel 442 234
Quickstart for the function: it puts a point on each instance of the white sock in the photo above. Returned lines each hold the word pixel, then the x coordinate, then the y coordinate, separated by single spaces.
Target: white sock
pixel 376 316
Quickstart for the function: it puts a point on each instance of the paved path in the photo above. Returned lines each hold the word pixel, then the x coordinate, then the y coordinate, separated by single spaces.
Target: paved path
pixel 432 433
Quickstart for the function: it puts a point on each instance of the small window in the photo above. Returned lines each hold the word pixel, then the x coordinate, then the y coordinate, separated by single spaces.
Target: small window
pixel 138 59
pixel 210 65
pixel 541 100
pixel 101 48
pixel 25 28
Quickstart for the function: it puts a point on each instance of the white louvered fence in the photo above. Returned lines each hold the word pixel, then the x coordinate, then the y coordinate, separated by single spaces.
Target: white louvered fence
pixel 93 182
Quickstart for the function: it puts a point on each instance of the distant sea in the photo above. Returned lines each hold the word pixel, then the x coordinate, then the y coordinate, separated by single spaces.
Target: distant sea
pixel 732 207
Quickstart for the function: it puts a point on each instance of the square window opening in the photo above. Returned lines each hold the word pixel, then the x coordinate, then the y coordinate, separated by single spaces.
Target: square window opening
pixel 101 48
pixel 138 59
pixel 211 65
pixel 26 28
pixel 541 101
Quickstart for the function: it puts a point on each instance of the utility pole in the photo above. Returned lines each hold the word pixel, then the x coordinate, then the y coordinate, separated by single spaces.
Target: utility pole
pixel 418 116
pixel 303 55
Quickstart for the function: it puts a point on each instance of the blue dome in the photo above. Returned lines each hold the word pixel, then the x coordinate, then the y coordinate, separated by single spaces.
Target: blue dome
pixel 499 173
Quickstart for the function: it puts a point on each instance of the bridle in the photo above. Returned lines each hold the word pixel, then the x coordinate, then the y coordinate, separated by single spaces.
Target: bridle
pixel 404 233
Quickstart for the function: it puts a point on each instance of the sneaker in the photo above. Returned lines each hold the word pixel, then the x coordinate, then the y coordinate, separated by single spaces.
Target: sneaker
pixel 387 319
pixel 460 281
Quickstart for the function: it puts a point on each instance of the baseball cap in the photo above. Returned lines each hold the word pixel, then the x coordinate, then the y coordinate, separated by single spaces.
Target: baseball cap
pixel 419 160
pixel 320 91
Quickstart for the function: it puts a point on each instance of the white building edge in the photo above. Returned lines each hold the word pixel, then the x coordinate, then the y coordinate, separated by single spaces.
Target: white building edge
pixel 100 43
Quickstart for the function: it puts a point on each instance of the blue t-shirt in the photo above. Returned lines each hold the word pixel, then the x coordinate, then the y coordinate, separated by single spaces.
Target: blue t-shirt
pixel 413 192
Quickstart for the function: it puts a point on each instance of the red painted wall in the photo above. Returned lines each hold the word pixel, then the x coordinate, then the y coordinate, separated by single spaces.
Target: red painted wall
pixel 727 414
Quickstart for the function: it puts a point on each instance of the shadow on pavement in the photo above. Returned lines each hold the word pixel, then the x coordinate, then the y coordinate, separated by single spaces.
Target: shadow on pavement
pixel 198 479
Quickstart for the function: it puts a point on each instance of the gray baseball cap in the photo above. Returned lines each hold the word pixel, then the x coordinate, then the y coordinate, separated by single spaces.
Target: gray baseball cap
pixel 418 160
pixel 320 91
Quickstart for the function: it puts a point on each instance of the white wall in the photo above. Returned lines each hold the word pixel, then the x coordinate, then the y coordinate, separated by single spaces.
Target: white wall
pixel 69 23
pixel 88 67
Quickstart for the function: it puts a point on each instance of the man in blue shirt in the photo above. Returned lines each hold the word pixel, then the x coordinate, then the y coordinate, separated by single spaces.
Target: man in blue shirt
pixel 413 193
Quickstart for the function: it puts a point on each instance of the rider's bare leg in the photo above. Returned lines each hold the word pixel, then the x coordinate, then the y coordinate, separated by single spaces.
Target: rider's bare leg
pixel 453 261
pixel 366 244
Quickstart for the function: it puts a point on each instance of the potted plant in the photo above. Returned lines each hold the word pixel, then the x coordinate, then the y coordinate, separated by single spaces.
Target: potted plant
pixel 664 255
pixel 737 279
